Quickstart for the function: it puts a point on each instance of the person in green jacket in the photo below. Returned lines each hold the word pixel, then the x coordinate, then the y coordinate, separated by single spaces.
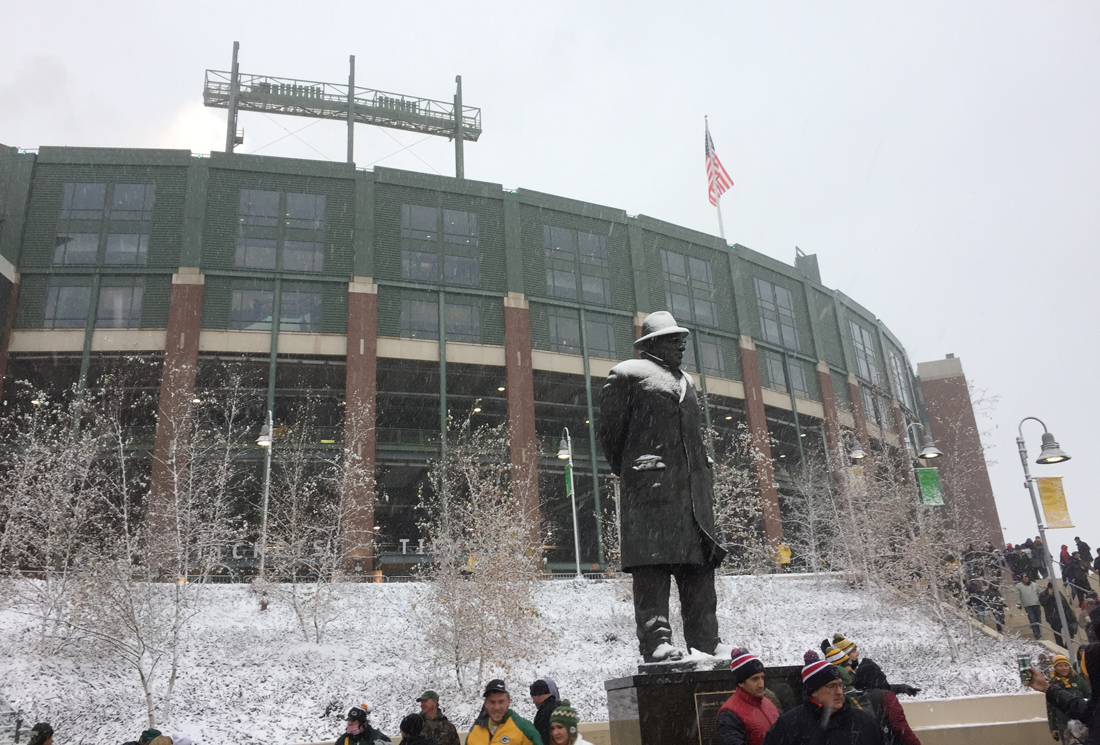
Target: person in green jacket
pixel 498 724
pixel 1063 676
pixel 359 731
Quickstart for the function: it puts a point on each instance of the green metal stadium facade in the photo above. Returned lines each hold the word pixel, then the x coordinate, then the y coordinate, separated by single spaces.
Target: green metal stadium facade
pixel 396 297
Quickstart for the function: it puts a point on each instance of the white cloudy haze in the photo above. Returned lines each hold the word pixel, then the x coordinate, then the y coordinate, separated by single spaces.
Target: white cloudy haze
pixel 942 159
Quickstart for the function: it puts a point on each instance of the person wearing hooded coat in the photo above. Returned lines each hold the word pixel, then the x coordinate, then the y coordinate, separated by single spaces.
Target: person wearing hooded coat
pixel 1085 710
pixel 412 731
pixel 871 681
pixel 1085 551
pixel 544 693
pixel 826 716
pixel 1048 598
pixel 856 660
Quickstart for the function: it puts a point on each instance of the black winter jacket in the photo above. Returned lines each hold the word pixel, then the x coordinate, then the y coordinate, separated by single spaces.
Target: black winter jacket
pixel 1083 710
pixel 806 725
pixel 542 717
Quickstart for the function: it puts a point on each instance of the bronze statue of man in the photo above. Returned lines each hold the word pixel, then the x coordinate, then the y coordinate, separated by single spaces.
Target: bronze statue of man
pixel 651 431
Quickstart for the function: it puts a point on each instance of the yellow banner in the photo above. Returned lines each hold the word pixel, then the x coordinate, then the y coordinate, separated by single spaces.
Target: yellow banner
pixel 1054 501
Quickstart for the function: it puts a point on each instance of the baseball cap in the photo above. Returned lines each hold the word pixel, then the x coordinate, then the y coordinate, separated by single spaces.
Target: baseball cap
pixel 496 685
pixel 428 695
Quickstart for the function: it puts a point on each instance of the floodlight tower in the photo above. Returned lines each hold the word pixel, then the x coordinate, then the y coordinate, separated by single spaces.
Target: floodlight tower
pixel 237 92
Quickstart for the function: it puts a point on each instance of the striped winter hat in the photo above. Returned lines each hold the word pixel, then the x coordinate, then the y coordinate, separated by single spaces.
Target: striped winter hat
pixel 1059 658
pixel 843 644
pixel 817 674
pixel 836 656
pixel 744 665
pixel 566 716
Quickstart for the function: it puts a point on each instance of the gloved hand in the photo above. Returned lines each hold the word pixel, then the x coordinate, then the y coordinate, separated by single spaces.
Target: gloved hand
pixel 910 690
pixel 1055 735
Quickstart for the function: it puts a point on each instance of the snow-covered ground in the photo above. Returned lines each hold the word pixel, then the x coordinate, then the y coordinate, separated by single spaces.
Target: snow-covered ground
pixel 248 677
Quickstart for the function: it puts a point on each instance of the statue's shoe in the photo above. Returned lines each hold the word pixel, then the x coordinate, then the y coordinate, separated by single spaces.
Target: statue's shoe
pixel 723 650
pixel 664 652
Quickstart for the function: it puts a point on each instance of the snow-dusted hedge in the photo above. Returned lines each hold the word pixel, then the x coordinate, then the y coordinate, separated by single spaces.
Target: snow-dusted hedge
pixel 248 678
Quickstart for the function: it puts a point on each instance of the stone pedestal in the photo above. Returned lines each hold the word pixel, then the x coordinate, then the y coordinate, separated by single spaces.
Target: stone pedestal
pixel 678 706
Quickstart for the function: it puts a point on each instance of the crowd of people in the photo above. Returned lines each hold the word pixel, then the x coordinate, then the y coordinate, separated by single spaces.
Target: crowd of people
pixel 846 698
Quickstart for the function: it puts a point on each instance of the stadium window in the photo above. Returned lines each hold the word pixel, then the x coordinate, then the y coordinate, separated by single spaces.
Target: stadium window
pixel 565 332
pixel 256 253
pixel 778 376
pixel 76 249
pixel 300 311
pixel 259 208
pixel 127 249
pixel 714 362
pixel 419 319
pixel 870 412
pixel 689 288
pixel 252 309
pixel 303 256
pixel 305 211
pixel 67 306
pixel 900 377
pixel 460 248
pixel 576 259
pixel 133 201
pixel 463 323
pixel 83 201
pixel 120 305
pixel 777 320
pixel 864 345
pixel 600 337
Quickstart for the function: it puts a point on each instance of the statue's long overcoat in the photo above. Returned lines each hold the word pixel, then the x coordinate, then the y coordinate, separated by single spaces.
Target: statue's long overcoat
pixel 654 442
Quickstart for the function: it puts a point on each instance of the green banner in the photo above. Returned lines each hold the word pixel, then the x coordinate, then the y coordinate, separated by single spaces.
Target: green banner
pixel 930 491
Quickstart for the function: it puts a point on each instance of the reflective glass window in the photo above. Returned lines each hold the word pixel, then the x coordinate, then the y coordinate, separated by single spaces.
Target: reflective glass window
pixel 463 323
pixel 76 249
pixel 600 337
pixel 83 201
pixel 305 211
pixel 689 288
pixel 133 201
pixel 777 319
pixel 67 307
pixel 119 306
pixel 565 332
pixel 127 249
pixel 259 207
pixel 561 262
pixel 300 311
pixel 900 379
pixel 419 319
pixel 420 266
pixel 864 345
pixel 303 256
pixel 252 309
pixel 255 253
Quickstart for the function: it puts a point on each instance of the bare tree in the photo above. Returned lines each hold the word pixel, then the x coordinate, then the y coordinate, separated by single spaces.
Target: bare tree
pixel 487 562
pixel 738 504
pixel 811 523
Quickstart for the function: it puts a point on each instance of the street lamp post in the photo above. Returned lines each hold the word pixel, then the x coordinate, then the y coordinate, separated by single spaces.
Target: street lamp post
pixel 264 440
pixel 928 450
pixel 1051 453
pixel 565 452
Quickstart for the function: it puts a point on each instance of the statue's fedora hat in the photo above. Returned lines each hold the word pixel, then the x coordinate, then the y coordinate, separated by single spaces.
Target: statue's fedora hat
pixel 657 324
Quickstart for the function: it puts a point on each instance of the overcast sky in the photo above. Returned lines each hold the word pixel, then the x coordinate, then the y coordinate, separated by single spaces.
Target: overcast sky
pixel 941 159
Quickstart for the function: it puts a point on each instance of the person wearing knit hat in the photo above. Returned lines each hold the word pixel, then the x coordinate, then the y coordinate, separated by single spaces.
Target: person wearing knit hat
pixel 1062 676
pixel 1068 702
pixel 825 715
pixel 148 736
pixel 849 647
pixel 874 694
pixel 563 726
pixel 843 665
pixel 412 730
pixel 746 715
pixel 41 734
pixel 544 694
pixel 359 731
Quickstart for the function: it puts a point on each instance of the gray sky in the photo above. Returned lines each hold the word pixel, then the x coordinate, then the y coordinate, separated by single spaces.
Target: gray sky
pixel 942 159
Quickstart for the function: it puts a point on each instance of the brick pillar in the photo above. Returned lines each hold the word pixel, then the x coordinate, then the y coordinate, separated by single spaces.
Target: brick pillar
pixel 758 428
pixel 955 428
pixel 360 390
pixel 638 318
pixel 838 456
pixel 9 320
pixel 520 386
pixel 859 414
pixel 177 389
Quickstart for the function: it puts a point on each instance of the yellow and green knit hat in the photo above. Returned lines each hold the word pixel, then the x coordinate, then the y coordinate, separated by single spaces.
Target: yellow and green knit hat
pixel 842 644
pixel 566 716
pixel 836 656
pixel 1059 658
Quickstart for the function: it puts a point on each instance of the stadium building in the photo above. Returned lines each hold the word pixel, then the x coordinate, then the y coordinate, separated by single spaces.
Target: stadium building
pixel 396 298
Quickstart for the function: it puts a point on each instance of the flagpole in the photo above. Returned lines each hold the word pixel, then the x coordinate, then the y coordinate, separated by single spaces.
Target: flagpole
pixel 718 206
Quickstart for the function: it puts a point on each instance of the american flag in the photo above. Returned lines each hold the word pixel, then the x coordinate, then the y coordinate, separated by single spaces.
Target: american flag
pixel 717 178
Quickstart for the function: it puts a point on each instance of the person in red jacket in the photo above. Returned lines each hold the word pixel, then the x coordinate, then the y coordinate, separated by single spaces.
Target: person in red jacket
pixel 746 715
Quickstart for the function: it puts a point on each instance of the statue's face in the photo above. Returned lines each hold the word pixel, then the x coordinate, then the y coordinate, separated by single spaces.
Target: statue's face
pixel 669 348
